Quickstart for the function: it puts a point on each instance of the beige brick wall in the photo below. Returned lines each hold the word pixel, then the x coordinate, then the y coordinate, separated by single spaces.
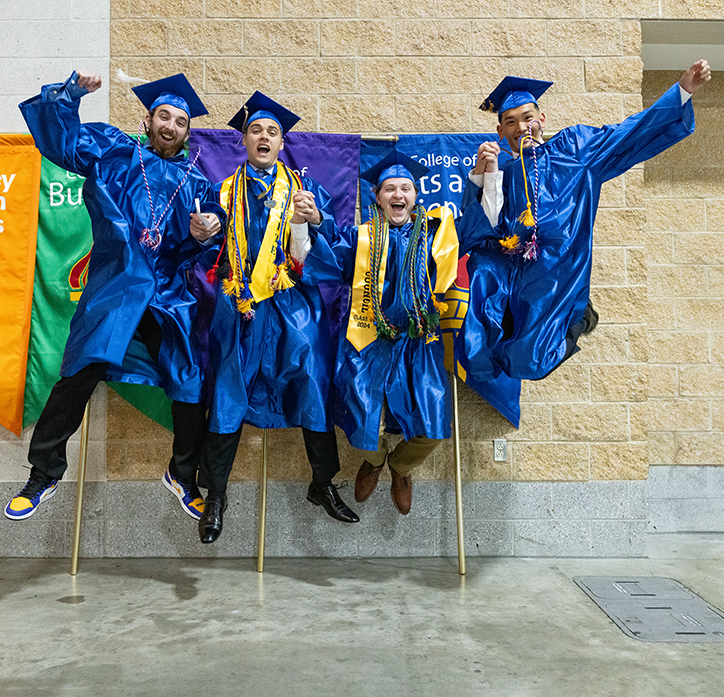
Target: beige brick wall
pixel 648 385
pixel 684 235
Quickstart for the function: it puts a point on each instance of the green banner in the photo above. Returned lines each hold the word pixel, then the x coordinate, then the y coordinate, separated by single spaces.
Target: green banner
pixel 64 242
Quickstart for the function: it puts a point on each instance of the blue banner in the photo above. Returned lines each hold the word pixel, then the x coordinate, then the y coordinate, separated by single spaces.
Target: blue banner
pixel 448 156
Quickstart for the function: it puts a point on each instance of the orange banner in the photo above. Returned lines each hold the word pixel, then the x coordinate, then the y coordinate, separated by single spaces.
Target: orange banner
pixel 19 187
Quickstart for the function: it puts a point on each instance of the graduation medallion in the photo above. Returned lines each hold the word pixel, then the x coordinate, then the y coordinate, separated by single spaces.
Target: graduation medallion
pixel 269 203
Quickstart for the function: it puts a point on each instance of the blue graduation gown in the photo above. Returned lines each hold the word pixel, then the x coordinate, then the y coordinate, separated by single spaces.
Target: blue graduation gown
pixel 124 277
pixel 409 373
pixel 548 295
pixel 273 371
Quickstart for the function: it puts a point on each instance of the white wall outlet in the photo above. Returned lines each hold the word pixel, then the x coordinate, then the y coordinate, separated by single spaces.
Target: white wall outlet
pixel 500 450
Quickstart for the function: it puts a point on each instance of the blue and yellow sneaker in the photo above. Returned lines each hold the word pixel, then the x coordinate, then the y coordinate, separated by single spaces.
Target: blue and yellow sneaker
pixel 188 494
pixel 39 488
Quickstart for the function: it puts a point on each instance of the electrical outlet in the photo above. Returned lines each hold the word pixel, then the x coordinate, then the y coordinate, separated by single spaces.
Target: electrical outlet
pixel 500 450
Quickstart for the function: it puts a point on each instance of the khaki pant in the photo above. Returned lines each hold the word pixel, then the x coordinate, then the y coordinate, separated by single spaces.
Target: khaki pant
pixel 406 456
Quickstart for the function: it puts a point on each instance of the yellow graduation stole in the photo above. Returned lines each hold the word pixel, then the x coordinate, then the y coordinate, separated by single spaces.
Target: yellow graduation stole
pixel 267 276
pixel 361 329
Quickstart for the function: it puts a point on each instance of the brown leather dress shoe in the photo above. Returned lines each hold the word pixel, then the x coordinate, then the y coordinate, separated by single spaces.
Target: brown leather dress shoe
pixel 366 481
pixel 401 492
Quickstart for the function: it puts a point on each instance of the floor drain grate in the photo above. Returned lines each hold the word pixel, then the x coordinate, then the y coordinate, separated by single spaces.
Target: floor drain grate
pixel 652 608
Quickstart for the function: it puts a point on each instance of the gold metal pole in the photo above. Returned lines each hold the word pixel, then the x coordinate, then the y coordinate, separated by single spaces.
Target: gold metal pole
pixel 458 477
pixel 82 459
pixel 262 500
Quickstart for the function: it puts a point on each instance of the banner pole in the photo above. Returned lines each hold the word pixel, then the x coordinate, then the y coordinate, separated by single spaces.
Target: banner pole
pixel 82 459
pixel 458 477
pixel 262 500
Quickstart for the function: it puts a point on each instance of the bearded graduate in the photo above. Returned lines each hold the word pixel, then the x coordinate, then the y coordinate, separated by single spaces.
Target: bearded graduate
pixel 134 320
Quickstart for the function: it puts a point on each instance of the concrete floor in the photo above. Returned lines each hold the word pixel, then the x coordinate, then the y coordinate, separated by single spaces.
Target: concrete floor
pixel 397 627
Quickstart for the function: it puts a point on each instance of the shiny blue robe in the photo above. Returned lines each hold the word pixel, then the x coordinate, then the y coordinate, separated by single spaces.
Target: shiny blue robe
pixel 549 295
pixel 273 371
pixel 125 278
pixel 408 373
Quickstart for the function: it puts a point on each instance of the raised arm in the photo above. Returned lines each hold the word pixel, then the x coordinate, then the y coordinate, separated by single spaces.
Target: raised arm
pixel 612 150
pixel 52 118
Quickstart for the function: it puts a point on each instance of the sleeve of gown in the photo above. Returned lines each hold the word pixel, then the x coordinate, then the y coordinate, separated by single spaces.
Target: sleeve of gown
pixel 331 258
pixel 332 249
pixel 473 226
pixel 52 118
pixel 612 150
pixel 209 203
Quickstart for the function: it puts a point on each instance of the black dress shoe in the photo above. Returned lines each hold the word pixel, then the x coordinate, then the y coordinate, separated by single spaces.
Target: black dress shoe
pixel 329 497
pixel 212 519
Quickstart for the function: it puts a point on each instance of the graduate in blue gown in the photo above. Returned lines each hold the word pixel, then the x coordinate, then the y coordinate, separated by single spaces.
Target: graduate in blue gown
pixel 390 374
pixel 269 339
pixel 134 318
pixel 530 277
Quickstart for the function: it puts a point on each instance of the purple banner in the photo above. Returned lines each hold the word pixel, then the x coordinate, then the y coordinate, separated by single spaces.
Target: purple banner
pixel 331 159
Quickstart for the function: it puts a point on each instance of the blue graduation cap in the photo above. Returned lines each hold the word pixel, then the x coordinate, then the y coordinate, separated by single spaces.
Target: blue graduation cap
pixel 175 90
pixel 513 92
pixel 259 106
pixel 396 164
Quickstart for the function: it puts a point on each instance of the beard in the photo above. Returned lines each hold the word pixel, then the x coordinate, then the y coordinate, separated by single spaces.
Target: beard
pixel 165 148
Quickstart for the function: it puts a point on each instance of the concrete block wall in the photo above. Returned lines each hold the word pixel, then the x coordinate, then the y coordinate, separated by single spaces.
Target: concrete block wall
pixel 42 41
pixel 376 68
pixel 646 387
pixel 531 519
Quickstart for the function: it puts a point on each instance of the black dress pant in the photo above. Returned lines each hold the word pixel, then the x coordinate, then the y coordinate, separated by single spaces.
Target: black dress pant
pixel 63 414
pixel 220 450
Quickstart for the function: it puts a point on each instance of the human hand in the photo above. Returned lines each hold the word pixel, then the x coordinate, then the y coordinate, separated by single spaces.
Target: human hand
pixel 487 157
pixel 305 208
pixel 696 77
pixel 88 80
pixel 202 232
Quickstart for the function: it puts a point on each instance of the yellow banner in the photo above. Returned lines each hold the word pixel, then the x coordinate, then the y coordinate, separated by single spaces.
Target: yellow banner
pixel 19 187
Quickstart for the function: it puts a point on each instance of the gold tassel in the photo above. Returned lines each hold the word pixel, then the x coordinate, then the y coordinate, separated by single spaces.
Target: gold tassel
pixel 244 305
pixel 510 242
pixel 526 217
pixel 230 286
pixel 440 306
pixel 282 281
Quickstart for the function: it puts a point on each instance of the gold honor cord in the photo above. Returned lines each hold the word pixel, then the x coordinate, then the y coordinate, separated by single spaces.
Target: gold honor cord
pixel 267 276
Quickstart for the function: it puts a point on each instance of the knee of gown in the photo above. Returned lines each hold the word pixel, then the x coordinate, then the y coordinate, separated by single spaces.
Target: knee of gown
pixel 482 328
pixel 534 350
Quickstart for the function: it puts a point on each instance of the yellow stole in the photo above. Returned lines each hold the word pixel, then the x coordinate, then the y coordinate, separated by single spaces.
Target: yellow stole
pixel 266 276
pixel 361 329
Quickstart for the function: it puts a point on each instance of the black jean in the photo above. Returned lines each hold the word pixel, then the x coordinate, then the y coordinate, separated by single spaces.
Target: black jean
pixel 63 413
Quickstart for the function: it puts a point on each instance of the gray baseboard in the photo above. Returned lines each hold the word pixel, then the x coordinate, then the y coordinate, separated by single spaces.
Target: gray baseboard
pixel 685 498
pixel 525 519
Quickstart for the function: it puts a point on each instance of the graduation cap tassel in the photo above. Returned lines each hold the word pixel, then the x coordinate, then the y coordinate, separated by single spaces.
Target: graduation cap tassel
pixel 526 217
